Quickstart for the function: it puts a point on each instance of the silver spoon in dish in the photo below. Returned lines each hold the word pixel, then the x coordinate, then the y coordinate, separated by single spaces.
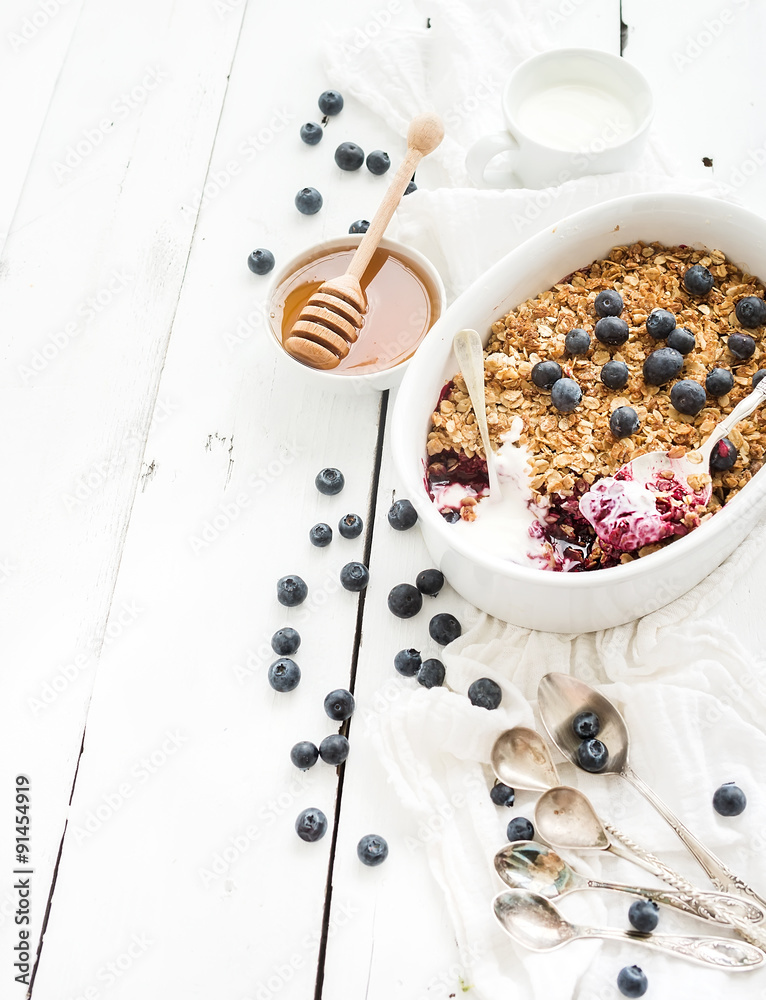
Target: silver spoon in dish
pixel 470 356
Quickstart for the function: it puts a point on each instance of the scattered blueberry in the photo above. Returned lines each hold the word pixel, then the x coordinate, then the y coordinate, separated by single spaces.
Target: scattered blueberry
pixel 349 156
pixel 320 535
pixel 577 341
pixel 329 482
pixel 311 825
pixel 402 515
pixel 308 201
pixel 757 377
pixel 719 382
pixel 261 261
pixel 723 456
pixel 586 725
pixel 360 226
pixel 608 303
pixel 546 373
pixel 350 526
pixel 688 397
pixel 285 641
pixel 378 162
pixel 615 374
pixel 339 705
pixel 566 395
pixel 412 186
pixel 405 601
pixel 431 673
pixel 354 577
pixel 729 800
pixel 444 628
pixel 682 340
pixel 291 591
pixel 502 795
pixel 624 422
pixel 304 755
pixel 644 915
pixel 372 850
pixel 330 102
pixel 429 582
pixel 311 133
pixel 407 662
pixel 662 365
pixel 592 755
pixel 751 312
pixel 741 345
pixel 632 982
pixel 284 675
pixel 334 749
pixel 611 330
pixel 520 829
pixel 485 693
pixel 660 323
pixel 698 280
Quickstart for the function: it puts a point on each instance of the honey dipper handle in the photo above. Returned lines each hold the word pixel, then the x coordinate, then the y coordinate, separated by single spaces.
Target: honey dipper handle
pixel 423 136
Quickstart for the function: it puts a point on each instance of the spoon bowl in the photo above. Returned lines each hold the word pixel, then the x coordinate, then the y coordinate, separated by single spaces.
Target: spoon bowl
pixel 469 352
pixel 532 920
pixel 566 819
pixel 520 758
pixel 561 698
pixel 534 867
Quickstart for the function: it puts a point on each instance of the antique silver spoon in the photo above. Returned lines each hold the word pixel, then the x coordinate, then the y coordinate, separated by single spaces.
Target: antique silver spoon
pixel 470 356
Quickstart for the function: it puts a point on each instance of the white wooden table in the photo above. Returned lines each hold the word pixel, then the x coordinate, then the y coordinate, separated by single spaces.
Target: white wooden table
pixel 159 479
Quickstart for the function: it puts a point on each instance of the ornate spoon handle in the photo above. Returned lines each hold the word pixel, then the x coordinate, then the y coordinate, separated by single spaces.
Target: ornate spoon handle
pixel 707 905
pixel 723 953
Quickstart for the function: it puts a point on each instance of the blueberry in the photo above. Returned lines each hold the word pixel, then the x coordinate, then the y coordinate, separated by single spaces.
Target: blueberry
pixel 592 755
pixel 632 982
pixel 520 829
pixel 329 482
pixel 723 456
pixel 577 341
pixel 608 303
pixel 360 226
pixel 350 526
pixel 566 395
pixel 586 725
pixel 611 330
pixel 615 374
pixel 688 397
pixel 407 662
pixel 546 373
pixel 502 795
pixel 660 323
pixel 291 591
pixel 330 102
pixel 698 280
pixel 682 340
pixel 349 156
pixel 624 422
pixel 751 312
pixel 378 162
pixel 662 365
pixel 741 345
pixel 402 515
pixel 720 381
pixel 354 577
pixel 729 800
pixel 339 705
pixel 372 850
pixel 431 673
pixel 757 377
pixel 450 516
pixel 304 755
pixel 284 675
pixel 444 628
pixel 412 186
pixel 644 915
pixel 311 133
pixel 285 641
pixel 320 535
pixel 334 749
pixel 308 201
pixel 261 261
pixel 311 825
pixel 485 693
pixel 429 582
pixel 405 601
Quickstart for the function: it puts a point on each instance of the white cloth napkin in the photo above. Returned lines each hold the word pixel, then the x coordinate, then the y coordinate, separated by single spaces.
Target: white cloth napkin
pixel 693 697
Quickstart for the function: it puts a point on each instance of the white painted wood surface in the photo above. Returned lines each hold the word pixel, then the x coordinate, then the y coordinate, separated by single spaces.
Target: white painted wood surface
pixel 160 473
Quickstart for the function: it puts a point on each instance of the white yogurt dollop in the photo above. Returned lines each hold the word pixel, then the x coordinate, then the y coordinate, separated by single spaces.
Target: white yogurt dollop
pixel 624 513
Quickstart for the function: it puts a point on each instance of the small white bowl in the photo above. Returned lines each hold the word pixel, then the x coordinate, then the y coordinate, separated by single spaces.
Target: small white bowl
pixel 347 383
pixel 573 602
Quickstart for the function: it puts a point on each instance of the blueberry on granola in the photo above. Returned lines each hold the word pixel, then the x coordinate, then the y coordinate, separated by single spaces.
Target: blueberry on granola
pixel 724 456
pixel 612 331
pixel 720 381
pixel 751 312
pixel 624 422
pixel 688 397
pixel 660 323
pixel 577 342
pixel 698 280
pixel 615 374
pixel 566 395
pixel 662 365
pixel 608 303
pixel 741 345
pixel 682 340
pixel 546 373
pixel 757 377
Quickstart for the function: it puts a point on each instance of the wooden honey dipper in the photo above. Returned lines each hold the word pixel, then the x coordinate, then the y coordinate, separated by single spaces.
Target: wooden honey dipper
pixel 332 318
